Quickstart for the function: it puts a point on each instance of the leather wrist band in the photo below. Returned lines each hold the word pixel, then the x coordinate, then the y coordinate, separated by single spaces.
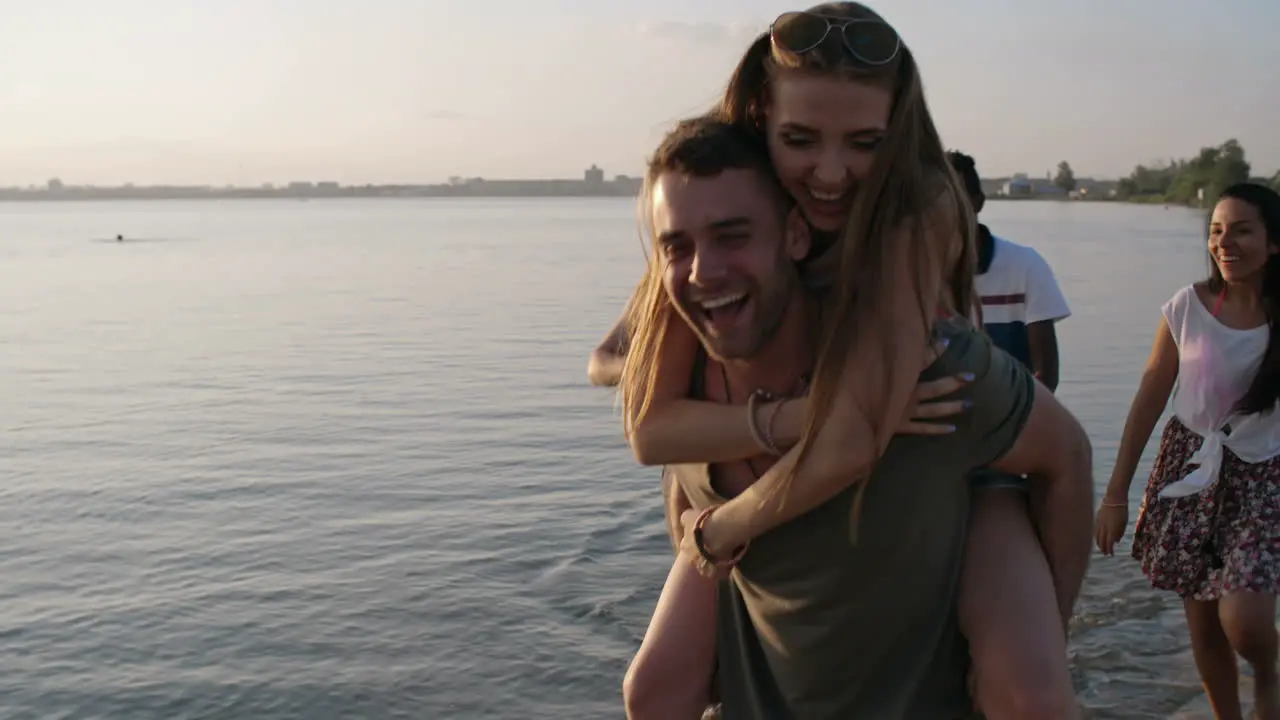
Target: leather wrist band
pixel 699 541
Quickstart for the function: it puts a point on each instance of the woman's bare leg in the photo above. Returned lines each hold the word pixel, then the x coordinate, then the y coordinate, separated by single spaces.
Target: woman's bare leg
pixel 1009 613
pixel 1249 623
pixel 1215 659
pixel 670 677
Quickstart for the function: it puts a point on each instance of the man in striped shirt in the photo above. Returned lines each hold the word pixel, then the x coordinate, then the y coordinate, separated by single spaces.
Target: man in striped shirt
pixel 1020 296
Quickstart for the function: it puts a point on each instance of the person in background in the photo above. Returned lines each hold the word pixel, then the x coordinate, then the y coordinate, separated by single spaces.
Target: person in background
pixel 1020 298
pixel 1209 529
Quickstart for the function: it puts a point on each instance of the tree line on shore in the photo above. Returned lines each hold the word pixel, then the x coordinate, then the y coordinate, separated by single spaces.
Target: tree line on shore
pixel 1181 180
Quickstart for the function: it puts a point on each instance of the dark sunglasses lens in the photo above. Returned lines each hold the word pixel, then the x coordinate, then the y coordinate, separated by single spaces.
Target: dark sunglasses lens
pixel 799 32
pixel 871 42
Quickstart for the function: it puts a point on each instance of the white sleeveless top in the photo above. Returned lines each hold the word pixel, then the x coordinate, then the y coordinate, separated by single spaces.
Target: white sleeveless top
pixel 1216 366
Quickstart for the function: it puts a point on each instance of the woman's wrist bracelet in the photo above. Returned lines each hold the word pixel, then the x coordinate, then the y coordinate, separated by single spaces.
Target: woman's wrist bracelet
pixel 753 423
pixel 700 541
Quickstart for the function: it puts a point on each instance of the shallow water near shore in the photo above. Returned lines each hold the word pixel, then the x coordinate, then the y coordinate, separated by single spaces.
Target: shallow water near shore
pixel 339 459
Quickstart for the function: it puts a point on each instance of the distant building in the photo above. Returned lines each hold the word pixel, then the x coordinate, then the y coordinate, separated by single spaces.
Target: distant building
pixel 527 188
pixel 54 185
pixel 1045 186
pixel 628 185
pixel 593 176
pixel 1018 186
pixel 992 186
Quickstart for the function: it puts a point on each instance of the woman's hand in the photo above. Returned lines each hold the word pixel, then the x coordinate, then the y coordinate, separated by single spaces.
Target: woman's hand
pixel 922 420
pixel 1109 526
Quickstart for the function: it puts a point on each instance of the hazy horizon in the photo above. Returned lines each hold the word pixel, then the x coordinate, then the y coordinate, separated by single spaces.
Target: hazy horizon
pixel 402 91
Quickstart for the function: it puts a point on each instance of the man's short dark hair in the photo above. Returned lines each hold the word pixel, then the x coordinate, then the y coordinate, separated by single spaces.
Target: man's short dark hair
pixel 705 147
pixel 968 172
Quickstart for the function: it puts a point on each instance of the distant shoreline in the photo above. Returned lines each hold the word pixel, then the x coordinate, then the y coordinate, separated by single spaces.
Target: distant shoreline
pixel 358 194
pixel 593 183
pixel 112 195
pixel 1050 198
pixel 530 191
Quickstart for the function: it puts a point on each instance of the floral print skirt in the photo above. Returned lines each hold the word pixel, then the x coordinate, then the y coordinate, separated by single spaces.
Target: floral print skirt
pixel 1222 540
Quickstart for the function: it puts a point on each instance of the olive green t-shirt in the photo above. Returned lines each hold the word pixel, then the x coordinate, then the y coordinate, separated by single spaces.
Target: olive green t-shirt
pixel 812 626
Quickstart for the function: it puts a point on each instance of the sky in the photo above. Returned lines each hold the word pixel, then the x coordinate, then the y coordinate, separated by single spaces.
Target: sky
pixel 415 91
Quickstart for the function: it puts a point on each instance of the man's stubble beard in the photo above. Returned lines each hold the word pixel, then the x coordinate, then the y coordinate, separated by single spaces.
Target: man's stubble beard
pixel 771 312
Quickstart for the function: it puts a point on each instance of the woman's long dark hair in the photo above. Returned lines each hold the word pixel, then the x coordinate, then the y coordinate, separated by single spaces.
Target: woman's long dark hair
pixel 1264 392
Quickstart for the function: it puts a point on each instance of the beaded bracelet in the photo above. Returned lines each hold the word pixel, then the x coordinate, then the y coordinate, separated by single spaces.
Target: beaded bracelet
pixel 763 438
pixel 769 424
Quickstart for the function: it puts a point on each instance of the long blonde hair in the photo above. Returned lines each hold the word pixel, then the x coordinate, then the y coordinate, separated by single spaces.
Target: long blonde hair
pixel 911 187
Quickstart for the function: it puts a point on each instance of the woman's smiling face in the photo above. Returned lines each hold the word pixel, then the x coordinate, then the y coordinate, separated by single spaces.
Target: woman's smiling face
pixel 823 134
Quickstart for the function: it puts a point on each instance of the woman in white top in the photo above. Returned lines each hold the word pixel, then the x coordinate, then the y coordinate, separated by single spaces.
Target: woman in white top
pixel 1209 528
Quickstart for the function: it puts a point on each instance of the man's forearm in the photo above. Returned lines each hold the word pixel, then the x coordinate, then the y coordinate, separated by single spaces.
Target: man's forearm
pixel 604 368
pixel 1062 511
pixel 1042 339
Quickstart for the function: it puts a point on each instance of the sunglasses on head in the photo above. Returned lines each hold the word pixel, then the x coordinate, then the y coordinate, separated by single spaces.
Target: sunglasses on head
pixel 871 42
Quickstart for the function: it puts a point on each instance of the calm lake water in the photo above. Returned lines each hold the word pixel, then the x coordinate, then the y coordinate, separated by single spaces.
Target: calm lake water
pixel 339 459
